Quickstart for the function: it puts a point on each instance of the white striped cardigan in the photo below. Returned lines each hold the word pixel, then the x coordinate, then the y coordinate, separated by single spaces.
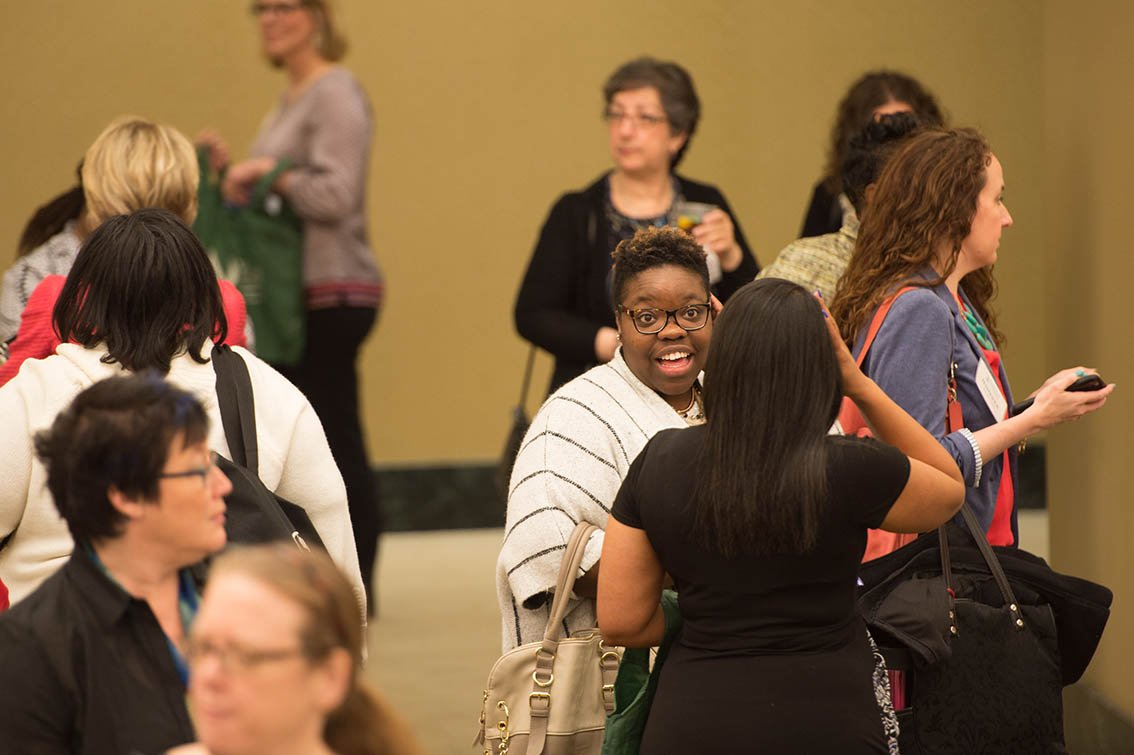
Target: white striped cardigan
pixel 569 468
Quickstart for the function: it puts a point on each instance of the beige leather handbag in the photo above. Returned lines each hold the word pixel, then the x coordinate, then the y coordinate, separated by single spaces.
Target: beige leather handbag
pixel 552 697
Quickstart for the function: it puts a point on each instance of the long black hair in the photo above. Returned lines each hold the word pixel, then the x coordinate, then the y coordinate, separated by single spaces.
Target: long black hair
pixel 772 390
pixel 143 285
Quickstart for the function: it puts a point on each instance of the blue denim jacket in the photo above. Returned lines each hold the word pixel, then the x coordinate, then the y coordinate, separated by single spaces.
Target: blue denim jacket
pixel 909 360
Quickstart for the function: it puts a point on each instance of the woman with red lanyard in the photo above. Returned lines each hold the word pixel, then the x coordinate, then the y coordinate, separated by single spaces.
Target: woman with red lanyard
pixel 930 236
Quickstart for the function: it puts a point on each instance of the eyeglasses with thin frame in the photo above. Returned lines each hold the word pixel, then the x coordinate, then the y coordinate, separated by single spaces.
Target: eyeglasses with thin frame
pixel 649 320
pixel 274 9
pixel 202 472
pixel 234 658
pixel 639 120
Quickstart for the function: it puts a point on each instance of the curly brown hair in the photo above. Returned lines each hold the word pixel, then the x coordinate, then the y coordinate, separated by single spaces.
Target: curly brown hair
pixel 923 201
pixel 871 91
pixel 654 247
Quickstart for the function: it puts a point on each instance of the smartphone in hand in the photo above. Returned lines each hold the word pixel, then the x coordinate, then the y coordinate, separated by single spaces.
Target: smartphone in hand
pixel 1085 383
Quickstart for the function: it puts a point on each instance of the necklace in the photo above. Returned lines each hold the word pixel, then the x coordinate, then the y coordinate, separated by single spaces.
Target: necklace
pixel 693 414
pixel 984 338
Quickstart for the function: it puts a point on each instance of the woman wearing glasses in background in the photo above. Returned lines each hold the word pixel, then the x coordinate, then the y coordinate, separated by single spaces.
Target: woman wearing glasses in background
pixel 322 127
pixel 274 659
pixel 564 303
pixel 585 436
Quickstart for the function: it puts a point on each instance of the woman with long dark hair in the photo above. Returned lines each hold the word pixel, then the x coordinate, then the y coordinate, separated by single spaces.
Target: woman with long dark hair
pixel 934 224
pixel 760 517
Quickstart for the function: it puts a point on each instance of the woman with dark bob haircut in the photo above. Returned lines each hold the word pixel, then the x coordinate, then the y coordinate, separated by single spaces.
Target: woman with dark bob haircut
pixel 934 224
pixel 564 304
pixel 143 295
pixel 875 94
pixel 760 518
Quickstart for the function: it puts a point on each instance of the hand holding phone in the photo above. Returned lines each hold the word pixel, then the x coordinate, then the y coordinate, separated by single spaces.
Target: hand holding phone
pixel 1082 384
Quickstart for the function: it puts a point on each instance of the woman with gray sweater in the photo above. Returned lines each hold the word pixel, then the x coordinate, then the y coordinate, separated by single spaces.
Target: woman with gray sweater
pixel 320 130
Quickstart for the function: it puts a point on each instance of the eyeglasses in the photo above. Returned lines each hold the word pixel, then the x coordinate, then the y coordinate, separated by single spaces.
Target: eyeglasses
pixel 202 472
pixel 649 321
pixel 274 9
pixel 234 658
pixel 640 120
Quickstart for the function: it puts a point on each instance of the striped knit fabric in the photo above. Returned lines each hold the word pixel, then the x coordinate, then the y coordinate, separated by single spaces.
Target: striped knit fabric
pixel 570 466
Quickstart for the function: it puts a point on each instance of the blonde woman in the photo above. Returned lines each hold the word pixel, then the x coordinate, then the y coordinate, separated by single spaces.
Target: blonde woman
pixel 274 662
pixel 134 163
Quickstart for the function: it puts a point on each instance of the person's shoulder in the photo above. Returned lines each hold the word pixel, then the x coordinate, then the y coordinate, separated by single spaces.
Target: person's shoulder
pixel 340 91
pixel 853 452
pixel 921 299
pixel 576 199
pixel 697 191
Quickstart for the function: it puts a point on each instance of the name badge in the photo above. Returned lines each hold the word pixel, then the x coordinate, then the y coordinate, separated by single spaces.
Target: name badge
pixel 990 391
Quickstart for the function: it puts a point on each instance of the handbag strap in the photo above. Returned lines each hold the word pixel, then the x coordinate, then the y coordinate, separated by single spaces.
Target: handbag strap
pixel 237 407
pixel 876 323
pixel 264 185
pixel 539 701
pixel 527 378
pixel 990 559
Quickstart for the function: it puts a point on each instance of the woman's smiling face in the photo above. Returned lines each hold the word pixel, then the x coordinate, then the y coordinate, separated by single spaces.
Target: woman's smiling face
pixel 670 360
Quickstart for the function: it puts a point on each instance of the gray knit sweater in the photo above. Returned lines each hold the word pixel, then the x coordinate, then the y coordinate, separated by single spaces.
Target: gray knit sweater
pixel 325 133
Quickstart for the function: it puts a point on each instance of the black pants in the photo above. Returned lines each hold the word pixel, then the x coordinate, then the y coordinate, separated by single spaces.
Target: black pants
pixel 327 375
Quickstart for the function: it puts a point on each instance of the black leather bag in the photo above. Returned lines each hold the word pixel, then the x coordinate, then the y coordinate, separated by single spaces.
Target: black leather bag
pixel 987 638
pixel 254 513
pixel 516 432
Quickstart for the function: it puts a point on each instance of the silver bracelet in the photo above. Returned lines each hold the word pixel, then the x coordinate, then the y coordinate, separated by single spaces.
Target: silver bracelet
pixel 978 459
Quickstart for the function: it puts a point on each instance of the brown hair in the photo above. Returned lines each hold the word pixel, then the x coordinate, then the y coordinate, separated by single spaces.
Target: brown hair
pixel 675 88
pixel 363 724
pixel 923 201
pixel 871 91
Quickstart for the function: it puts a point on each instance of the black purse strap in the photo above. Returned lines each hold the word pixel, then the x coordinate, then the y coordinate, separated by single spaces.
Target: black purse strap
pixel 989 556
pixel 237 407
pixel 527 378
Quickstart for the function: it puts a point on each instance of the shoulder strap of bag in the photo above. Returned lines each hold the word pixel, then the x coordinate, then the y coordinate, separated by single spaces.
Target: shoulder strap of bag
pixel 876 323
pixel 527 378
pixel 539 701
pixel 237 407
pixel 990 559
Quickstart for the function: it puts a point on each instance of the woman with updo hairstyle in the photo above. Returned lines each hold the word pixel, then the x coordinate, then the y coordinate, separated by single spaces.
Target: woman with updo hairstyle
pixel 586 434
pixel 935 221
pixel 133 164
pixel 760 518
pixel 275 654
pixel 875 94
pixel 564 305
pixel 315 143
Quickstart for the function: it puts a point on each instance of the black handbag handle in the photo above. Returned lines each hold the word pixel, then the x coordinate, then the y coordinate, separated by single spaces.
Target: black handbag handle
pixel 527 378
pixel 986 552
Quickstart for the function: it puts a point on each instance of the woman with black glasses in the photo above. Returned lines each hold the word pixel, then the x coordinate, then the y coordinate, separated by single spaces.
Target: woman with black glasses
pixel 583 439
pixel 564 304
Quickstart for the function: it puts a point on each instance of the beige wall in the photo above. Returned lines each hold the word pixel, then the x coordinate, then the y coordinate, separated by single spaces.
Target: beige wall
pixel 488 111
pixel 1089 74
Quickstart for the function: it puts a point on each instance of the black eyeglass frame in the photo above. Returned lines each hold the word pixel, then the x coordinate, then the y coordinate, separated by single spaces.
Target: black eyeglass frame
pixel 202 472
pixel 633 313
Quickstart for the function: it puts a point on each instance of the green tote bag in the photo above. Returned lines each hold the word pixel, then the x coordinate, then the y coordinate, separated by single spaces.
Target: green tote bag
pixel 259 247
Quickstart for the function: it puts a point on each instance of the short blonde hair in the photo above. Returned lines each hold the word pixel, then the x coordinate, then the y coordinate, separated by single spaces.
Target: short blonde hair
pixel 136 163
